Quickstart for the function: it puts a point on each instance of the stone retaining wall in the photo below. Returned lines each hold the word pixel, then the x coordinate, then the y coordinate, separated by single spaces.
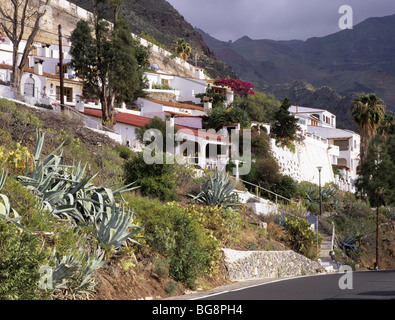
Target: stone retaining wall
pixel 247 265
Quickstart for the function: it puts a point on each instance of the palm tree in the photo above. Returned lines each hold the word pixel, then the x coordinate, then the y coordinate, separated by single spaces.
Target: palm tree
pixel 182 48
pixel 368 112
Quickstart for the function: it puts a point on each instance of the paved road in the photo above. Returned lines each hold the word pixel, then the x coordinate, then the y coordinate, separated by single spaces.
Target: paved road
pixel 372 285
pixel 361 285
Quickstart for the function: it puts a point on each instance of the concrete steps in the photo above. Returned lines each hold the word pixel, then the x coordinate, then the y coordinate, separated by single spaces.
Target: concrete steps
pixel 325 259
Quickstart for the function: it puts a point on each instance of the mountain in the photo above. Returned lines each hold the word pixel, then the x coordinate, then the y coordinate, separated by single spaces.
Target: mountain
pixel 159 19
pixel 350 61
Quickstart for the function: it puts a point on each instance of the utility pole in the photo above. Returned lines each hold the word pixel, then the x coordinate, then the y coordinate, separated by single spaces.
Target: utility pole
pixel 319 190
pixel 376 267
pixel 61 68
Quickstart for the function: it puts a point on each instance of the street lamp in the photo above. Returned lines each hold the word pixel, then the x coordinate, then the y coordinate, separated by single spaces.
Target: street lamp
pixel 319 185
pixel 319 189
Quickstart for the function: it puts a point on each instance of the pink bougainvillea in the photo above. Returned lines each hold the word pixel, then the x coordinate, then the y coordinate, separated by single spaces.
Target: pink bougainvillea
pixel 242 88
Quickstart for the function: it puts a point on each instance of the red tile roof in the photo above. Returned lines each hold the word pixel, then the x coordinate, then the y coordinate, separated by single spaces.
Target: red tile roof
pixel 139 121
pixel 122 117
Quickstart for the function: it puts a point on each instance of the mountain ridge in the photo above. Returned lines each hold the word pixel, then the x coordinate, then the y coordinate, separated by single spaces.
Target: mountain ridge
pixel 160 20
pixel 349 62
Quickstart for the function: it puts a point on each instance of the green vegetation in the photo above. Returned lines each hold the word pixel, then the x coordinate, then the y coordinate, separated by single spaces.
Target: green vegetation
pixel 217 190
pixel 187 239
pixel 156 180
pixel 20 260
pixel 102 55
pixel 182 48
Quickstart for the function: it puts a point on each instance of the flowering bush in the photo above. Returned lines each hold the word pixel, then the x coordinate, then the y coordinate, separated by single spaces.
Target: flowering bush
pixel 242 88
pixel 284 142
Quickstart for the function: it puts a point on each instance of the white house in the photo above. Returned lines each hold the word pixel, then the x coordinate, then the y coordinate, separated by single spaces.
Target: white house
pixel 40 82
pixel 314 117
pixel 348 143
pixel 343 146
pixel 202 148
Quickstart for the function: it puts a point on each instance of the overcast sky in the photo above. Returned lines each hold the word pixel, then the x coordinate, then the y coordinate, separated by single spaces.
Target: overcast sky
pixel 275 19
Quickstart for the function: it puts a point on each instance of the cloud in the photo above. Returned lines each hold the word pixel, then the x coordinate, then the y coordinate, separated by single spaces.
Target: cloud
pixel 275 19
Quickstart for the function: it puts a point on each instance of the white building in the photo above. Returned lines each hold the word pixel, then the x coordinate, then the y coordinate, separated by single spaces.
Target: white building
pixel 343 146
pixel 194 145
pixel 314 117
pixel 40 82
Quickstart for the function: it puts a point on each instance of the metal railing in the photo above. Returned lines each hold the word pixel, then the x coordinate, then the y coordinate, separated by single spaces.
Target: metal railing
pixel 275 194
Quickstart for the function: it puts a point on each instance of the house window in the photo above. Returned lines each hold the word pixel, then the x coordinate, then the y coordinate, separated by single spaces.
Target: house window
pixel 64 68
pixel 219 90
pixel 68 92
pixel 342 144
pixel 165 82
pixel 33 51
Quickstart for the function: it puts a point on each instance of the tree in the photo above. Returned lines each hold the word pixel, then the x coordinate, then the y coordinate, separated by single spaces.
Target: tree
pixel 182 48
pixel 260 106
pixel 157 123
pixel 218 117
pixel 21 19
pixel 285 124
pixel 376 177
pixel 109 61
pixel 368 112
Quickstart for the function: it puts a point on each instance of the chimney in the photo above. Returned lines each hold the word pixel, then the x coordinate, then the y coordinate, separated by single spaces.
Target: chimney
pixel 199 74
pixel 38 67
pixel 171 121
pixel 207 104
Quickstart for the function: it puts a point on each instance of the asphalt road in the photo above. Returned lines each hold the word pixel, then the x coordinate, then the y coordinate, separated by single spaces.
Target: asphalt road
pixel 361 285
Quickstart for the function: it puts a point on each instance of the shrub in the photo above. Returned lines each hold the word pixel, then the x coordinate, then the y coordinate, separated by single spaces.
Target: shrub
pixel 124 152
pixel 20 260
pixel 18 115
pixel 224 223
pixel 301 237
pixel 178 237
pixel 155 180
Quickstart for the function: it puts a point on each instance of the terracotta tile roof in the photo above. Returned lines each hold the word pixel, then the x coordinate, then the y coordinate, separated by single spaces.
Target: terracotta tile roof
pixel 139 121
pixel 176 104
pixel 122 117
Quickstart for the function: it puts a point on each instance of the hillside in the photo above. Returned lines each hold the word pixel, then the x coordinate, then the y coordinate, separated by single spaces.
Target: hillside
pixel 144 271
pixel 348 62
pixel 158 19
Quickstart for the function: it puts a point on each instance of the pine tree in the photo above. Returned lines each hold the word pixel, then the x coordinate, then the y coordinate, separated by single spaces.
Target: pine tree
pixel 284 125
pixel 377 173
pixel 110 61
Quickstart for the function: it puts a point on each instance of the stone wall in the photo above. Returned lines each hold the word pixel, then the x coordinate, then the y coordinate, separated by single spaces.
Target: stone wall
pixel 247 265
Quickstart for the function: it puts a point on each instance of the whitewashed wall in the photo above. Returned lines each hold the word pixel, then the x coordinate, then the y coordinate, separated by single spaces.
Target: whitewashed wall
pixel 302 164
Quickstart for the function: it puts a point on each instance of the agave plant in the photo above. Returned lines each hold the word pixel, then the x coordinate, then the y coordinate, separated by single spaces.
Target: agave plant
pixel 70 272
pixel 218 190
pixel 349 247
pixel 6 211
pixel 113 230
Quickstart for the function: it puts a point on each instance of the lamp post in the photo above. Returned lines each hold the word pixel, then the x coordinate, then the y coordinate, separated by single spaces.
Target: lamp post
pixel 319 190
